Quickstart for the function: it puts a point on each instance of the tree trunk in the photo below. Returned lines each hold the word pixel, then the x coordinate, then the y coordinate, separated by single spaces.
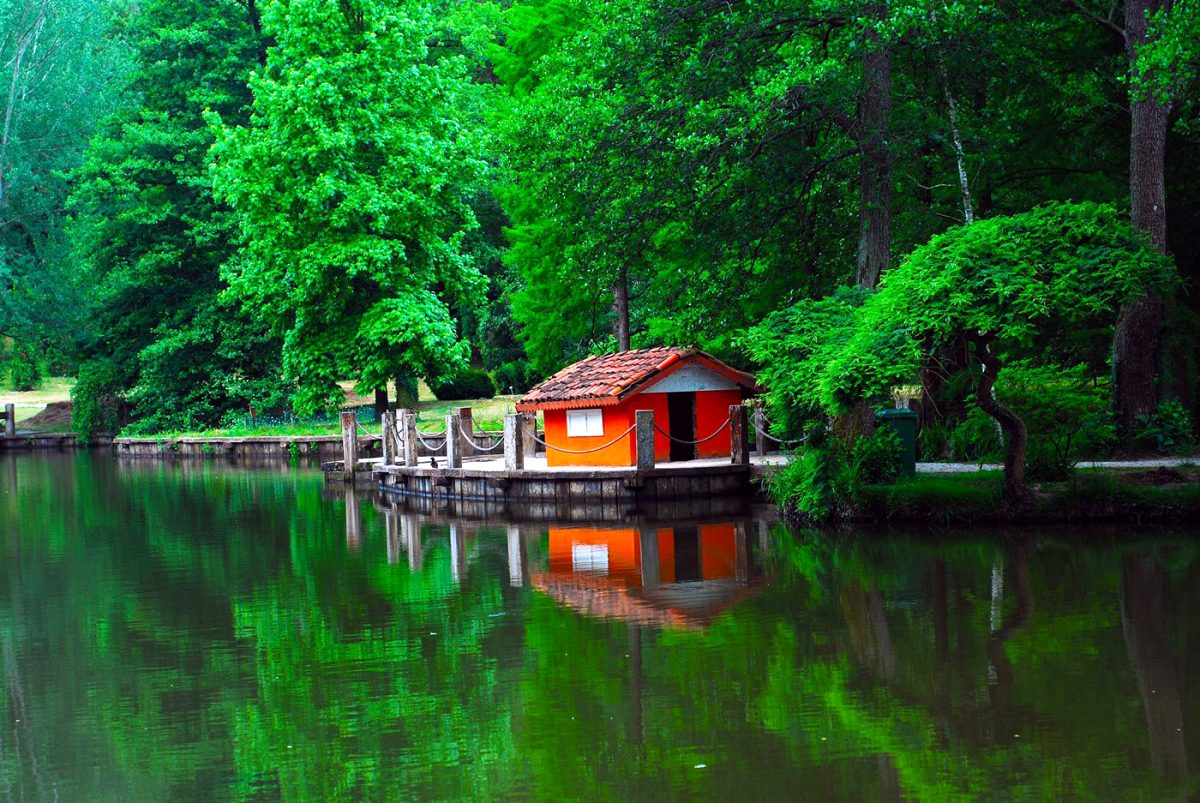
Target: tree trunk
pixel 875 166
pixel 1016 492
pixel 621 308
pixel 1139 326
pixel 406 393
pixel 381 402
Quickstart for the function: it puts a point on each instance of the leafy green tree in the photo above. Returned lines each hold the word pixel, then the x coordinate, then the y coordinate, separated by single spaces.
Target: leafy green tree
pixel 999 283
pixel 352 185
pixel 62 68
pixel 153 239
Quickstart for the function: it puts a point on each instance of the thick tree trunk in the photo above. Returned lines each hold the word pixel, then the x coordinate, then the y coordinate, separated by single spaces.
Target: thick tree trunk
pixel 1016 492
pixel 621 309
pixel 381 402
pixel 1139 327
pixel 875 167
pixel 406 393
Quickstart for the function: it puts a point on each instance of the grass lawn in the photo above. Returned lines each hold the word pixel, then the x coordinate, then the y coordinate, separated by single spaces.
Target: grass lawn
pixel 431 413
pixel 31 402
pixel 488 413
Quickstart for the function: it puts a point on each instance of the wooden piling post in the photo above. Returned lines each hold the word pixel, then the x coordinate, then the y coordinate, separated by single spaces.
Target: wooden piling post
pixel 740 438
pixel 760 432
pixel 10 420
pixel 408 438
pixel 453 443
pixel 528 433
pixel 466 431
pixel 645 439
pixel 349 444
pixel 514 453
pixel 389 428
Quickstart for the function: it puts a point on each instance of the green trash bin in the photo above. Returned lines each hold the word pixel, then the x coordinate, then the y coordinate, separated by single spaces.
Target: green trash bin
pixel 904 424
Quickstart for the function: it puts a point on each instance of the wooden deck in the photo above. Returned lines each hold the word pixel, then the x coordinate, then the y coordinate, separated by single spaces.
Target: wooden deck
pixel 483 488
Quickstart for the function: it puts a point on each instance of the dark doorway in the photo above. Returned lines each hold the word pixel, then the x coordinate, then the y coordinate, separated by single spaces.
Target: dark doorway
pixel 681 423
pixel 687 555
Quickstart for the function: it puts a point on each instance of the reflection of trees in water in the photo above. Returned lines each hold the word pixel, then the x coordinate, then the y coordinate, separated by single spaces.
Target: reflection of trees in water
pixel 861 672
pixel 1144 622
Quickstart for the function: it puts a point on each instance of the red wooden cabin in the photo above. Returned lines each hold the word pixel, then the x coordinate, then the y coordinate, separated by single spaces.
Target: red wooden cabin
pixel 593 402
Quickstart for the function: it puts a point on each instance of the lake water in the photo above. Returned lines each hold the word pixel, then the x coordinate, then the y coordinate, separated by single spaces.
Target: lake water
pixel 175 631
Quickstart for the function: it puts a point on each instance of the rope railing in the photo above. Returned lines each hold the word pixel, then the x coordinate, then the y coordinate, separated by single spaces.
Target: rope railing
pixel 669 436
pixel 780 441
pixel 428 445
pixel 585 451
pixel 470 436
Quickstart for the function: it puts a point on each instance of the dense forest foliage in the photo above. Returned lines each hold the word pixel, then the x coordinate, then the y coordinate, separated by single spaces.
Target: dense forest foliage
pixel 207 207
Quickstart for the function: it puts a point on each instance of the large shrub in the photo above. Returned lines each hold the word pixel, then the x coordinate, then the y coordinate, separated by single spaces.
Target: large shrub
pixel 1066 411
pixel 95 400
pixel 24 369
pixel 470 383
pixel 1168 430
pixel 824 480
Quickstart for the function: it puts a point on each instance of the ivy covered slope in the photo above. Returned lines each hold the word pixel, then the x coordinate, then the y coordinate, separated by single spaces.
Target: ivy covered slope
pixel 351 188
pixel 1008 286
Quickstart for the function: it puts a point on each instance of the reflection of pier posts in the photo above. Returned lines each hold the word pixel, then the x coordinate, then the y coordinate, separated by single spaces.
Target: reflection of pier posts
pixel 410 536
pixel 518 557
pixel 650 569
pixel 353 518
pixel 741 552
pixel 458 553
pixel 391 520
pixel 764 537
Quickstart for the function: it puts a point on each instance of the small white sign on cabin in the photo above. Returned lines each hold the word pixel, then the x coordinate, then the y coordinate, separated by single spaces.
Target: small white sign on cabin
pixel 585 423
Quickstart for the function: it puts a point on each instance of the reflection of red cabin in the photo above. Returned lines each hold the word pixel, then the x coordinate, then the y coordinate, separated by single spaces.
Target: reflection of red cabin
pixel 681 576
pixel 592 402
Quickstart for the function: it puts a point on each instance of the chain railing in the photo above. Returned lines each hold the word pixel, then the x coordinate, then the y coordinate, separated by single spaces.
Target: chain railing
pixel 669 436
pixel 585 451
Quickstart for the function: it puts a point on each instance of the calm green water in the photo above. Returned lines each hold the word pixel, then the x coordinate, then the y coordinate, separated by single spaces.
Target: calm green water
pixel 172 632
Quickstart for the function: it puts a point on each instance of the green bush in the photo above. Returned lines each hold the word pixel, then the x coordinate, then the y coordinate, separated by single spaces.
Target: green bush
pixel 95 400
pixel 514 377
pixel 23 368
pixel 1065 412
pixel 1168 430
pixel 976 439
pixel 471 383
pixel 824 481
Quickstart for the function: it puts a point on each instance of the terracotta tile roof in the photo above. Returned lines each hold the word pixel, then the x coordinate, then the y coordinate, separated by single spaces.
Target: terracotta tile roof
pixel 609 378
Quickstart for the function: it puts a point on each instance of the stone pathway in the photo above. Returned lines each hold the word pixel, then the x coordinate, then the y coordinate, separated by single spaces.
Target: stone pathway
pixel 966 468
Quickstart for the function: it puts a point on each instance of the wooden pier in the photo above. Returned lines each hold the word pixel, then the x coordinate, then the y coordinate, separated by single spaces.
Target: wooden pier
pixel 481 481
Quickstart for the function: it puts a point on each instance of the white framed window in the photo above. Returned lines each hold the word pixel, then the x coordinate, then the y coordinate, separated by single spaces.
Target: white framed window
pixel 585 423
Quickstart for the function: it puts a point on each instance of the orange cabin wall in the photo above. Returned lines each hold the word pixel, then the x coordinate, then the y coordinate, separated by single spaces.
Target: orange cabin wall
pixel 712 408
pixel 617 419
